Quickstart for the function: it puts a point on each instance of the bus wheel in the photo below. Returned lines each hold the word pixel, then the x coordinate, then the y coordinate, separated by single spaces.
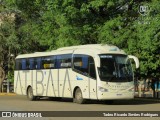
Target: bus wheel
pixel 78 97
pixel 30 94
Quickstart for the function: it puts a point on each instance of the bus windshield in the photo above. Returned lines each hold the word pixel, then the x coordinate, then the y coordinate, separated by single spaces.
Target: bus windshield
pixel 115 68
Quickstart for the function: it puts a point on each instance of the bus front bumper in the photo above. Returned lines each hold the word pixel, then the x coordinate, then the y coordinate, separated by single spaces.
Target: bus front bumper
pixel 115 96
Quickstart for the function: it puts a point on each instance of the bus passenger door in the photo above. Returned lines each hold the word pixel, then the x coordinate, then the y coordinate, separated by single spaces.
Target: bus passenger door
pixel 92 79
pixel 84 66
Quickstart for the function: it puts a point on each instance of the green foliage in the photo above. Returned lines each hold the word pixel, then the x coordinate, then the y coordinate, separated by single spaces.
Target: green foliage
pixel 49 24
pixel 139 37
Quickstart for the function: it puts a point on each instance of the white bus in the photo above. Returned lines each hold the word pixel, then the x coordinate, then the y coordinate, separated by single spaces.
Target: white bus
pixel 96 71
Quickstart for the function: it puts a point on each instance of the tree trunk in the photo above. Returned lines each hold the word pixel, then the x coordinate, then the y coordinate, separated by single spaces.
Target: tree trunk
pixel 2 76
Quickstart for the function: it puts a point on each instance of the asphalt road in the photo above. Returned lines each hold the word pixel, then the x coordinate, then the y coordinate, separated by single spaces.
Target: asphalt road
pixel 21 103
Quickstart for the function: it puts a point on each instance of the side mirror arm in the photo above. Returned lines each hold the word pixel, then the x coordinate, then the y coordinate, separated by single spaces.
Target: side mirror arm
pixel 135 60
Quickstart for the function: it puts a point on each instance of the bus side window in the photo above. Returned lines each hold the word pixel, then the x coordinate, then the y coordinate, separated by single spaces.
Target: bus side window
pixel 31 63
pixel 27 64
pixel 18 64
pixel 38 63
pixel 80 64
pixel 24 66
pixel 58 62
pixel 52 62
pixel 48 62
pixel 64 61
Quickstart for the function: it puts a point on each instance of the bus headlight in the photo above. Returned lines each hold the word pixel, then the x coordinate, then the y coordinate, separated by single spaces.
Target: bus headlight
pixel 102 89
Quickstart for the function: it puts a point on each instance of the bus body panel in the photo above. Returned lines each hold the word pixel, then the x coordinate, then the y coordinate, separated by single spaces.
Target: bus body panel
pixel 61 82
pixel 123 90
pixel 54 83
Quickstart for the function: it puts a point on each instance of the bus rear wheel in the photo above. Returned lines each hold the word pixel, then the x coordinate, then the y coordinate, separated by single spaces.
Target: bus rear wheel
pixel 30 95
pixel 79 97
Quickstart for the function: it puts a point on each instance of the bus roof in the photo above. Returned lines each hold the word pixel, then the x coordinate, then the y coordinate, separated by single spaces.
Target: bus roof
pixel 98 48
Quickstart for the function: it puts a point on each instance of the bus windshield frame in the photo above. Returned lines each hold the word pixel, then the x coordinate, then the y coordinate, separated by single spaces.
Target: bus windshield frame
pixel 115 68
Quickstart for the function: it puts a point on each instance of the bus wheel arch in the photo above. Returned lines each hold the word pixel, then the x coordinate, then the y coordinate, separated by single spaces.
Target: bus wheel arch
pixel 27 89
pixel 78 96
pixel 30 95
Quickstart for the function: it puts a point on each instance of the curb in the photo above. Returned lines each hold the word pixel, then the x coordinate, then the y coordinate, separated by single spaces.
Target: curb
pixel 7 94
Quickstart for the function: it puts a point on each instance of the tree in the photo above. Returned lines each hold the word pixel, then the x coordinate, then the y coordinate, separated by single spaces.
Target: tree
pixel 149 41
pixel 45 25
pixel 137 34
pixel 67 22
pixel 2 76
pixel 8 41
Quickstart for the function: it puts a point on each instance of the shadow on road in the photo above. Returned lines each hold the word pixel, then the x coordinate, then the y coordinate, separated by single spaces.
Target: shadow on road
pixel 136 101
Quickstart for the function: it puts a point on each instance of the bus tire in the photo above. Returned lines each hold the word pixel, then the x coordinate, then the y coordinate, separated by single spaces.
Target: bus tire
pixel 79 97
pixel 30 95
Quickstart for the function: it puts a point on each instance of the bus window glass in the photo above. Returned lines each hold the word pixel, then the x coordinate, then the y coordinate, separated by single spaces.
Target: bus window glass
pixel 24 66
pixel 48 62
pixel 38 63
pixel 81 63
pixel 115 68
pixel 85 62
pixel 52 62
pixel 107 67
pixel 18 64
pixel 31 63
pixel 64 61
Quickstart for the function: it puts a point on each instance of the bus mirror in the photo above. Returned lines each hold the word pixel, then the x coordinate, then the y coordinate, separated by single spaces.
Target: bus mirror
pixel 135 60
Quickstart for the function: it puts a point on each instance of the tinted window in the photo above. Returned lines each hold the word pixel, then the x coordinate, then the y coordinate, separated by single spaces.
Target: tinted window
pixel 81 63
pixel 115 68
pixel 84 64
pixel 38 63
pixel 63 61
pixel 18 64
pixel 32 63
pixel 24 64
pixel 48 62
